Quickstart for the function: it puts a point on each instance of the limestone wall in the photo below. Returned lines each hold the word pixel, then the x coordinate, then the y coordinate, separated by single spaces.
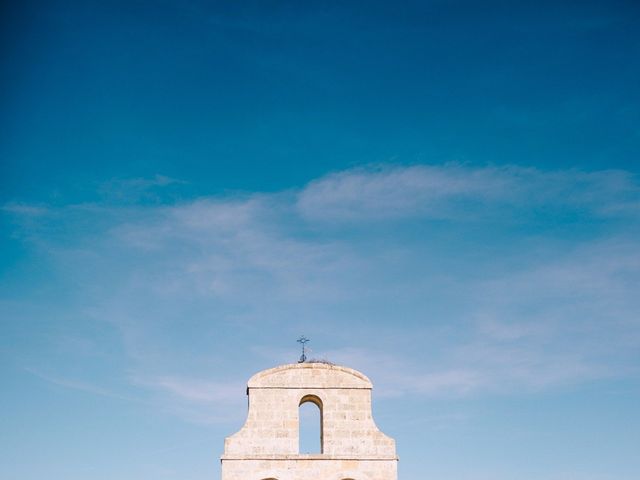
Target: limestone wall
pixel 309 469
pixel 267 445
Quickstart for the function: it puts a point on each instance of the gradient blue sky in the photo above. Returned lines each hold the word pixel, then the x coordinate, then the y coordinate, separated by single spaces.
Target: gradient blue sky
pixel 442 194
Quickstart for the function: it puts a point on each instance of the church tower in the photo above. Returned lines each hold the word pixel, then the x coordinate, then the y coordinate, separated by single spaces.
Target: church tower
pixel 352 447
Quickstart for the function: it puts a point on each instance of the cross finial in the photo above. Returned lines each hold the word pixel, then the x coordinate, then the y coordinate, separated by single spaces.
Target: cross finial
pixel 302 340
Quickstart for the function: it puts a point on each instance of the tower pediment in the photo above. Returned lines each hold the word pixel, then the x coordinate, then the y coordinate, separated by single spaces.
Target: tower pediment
pixel 267 446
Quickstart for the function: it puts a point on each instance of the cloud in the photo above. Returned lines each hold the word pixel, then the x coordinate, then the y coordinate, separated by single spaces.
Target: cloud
pixel 195 390
pixel 502 297
pixel 25 210
pixel 239 247
pixel 80 385
pixel 457 191
pixel 558 322
pixel 385 193
pixel 195 400
pixel 132 190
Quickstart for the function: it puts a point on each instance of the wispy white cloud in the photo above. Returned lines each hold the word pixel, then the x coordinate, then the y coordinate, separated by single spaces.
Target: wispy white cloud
pixel 461 192
pixel 392 192
pixel 541 308
pixel 555 323
pixel 195 390
pixel 131 190
pixel 24 209
pixel 195 400
pixel 80 385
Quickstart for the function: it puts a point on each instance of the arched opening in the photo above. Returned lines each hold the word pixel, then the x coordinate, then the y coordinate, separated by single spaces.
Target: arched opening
pixel 310 422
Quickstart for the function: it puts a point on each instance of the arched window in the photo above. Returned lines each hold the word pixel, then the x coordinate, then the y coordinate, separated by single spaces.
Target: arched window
pixel 310 421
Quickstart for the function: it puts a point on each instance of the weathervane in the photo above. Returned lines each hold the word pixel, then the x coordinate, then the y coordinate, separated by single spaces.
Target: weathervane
pixel 302 340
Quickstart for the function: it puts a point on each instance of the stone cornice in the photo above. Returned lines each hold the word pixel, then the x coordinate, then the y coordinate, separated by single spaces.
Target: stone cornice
pixel 373 458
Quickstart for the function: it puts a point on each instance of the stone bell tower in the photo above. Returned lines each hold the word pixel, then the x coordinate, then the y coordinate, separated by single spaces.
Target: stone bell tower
pixel 352 447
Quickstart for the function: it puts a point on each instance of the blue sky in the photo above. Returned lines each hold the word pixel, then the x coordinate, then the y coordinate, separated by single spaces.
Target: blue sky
pixel 443 195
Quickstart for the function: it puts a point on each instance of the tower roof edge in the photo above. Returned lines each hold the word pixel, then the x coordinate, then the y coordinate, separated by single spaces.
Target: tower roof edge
pixel 309 375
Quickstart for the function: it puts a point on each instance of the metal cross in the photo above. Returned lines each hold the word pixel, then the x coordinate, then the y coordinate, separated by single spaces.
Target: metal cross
pixel 302 340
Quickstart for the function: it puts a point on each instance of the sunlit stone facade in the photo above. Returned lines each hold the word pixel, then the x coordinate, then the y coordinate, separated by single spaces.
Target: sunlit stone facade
pixel 266 448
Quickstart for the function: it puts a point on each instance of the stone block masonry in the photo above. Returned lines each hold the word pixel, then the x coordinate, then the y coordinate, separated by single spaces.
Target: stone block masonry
pixel 352 447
